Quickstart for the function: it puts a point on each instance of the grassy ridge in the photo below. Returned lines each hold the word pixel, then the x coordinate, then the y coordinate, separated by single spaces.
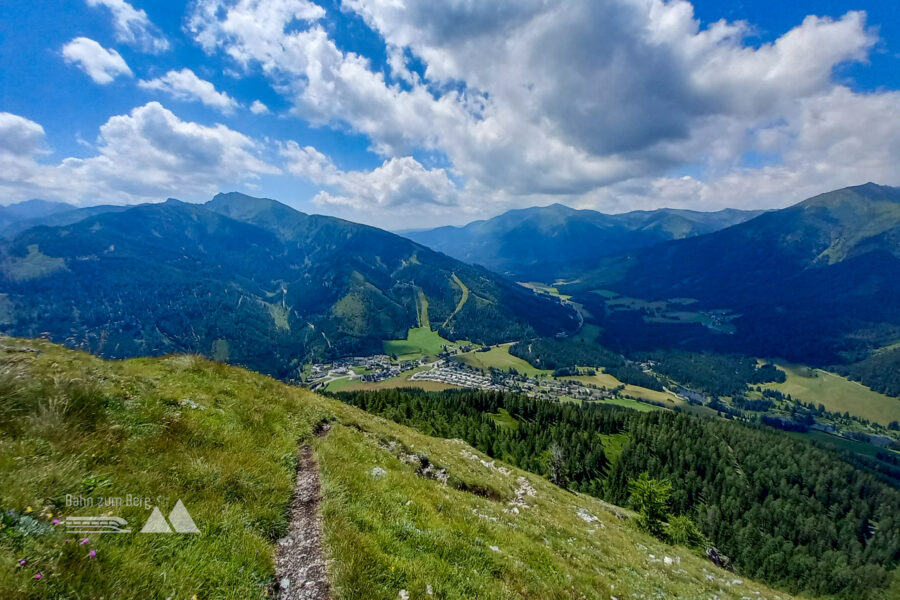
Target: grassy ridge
pixel 74 424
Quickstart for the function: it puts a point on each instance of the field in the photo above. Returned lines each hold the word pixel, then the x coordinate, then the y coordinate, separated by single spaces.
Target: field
pixel 401 381
pixel 543 288
pixel 837 393
pixel 632 404
pixel 606 380
pixel 419 342
pixel 613 444
pixel 587 334
pixel 224 440
pixel 504 419
pixel 843 443
pixel 500 358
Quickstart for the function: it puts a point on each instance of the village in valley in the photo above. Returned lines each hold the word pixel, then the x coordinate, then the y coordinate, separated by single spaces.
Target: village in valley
pixel 450 370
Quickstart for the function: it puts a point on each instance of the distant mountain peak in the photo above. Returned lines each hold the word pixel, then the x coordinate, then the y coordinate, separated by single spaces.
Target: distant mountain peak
pixel 554 241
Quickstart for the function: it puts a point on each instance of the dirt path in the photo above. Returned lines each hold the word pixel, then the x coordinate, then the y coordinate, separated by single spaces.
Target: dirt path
pixel 300 566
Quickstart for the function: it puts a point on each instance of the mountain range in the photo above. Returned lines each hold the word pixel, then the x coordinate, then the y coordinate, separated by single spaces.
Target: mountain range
pixel 251 281
pixel 549 242
pixel 817 281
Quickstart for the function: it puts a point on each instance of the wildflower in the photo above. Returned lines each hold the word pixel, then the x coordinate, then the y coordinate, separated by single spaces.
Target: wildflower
pixel 84 541
pixel 39 576
pixel 92 554
pixel 23 562
pixel 49 515
pixel 56 521
pixel 29 510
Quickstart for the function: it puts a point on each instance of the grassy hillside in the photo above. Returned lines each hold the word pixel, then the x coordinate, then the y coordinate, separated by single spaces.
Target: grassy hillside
pixel 419 342
pixel 838 394
pixel 604 379
pixel 225 442
pixel 499 357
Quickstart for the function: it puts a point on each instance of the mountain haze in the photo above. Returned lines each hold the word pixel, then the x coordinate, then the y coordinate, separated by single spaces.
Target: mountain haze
pixel 66 215
pixel 251 281
pixel 547 242
pixel 30 209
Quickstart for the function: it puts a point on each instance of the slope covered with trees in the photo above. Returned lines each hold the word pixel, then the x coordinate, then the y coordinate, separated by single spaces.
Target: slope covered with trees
pixel 787 512
pixel 817 282
pixel 250 281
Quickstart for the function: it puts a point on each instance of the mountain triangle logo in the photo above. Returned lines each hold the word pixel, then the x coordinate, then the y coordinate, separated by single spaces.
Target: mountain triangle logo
pixel 180 519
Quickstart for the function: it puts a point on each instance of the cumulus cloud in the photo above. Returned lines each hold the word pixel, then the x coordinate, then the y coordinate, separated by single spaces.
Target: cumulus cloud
pixel 258 108
pixel 133 26
pixel 101 65
pixel 20 136
pixel 145 155
pixel 185 85
pixel 578 99
pixel 829 141
pixel 397 182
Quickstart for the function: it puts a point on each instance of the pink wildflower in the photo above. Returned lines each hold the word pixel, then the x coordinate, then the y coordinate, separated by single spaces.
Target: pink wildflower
pixel 23 562
pixel 84 541
pixel 39 576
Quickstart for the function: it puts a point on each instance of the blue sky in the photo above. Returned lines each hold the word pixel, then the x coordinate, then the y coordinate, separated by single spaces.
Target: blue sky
pixel 429 113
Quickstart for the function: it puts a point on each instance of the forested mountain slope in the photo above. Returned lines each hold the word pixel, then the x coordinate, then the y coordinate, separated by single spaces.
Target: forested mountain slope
pixel 816 282
pixel 247 280
pixel 789 513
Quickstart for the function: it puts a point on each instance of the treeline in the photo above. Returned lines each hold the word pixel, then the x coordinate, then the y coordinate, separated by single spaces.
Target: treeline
pixel 554 353
pixel 634 375
pixel 564 356
pixel 788 512
pixel 541 427
pixel 880 371
pixel 715 374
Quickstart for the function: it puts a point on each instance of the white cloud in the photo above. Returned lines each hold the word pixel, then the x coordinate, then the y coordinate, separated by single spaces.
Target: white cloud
pixel 258 108
pixel 142 156
pixel 101 65
pixel 133 26
pixel 185 85
pixel 396 183
pixel 830 141
pixel 20 136
pixel 576 95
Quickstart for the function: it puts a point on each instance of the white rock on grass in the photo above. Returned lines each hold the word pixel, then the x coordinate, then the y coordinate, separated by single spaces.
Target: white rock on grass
pixel 378 473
